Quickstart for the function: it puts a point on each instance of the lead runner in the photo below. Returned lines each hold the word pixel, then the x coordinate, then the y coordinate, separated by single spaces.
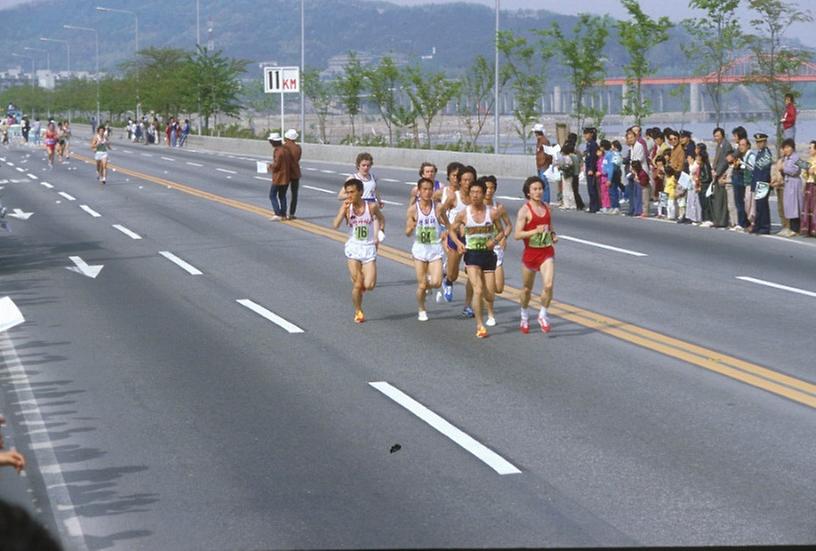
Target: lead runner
pixel 361 247
pixel 534 226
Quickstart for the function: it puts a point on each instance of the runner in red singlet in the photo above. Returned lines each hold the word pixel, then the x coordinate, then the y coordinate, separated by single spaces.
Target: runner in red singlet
pixel 51 142
pixel 534 226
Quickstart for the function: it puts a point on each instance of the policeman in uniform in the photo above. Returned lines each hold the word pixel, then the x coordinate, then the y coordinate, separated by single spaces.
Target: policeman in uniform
pixel 762 173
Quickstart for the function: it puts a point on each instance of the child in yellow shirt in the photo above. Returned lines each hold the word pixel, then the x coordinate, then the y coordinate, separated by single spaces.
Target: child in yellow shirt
pixel 670 189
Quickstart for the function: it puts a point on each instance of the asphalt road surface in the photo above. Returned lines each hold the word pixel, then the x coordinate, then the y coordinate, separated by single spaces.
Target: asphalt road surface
pixel 208 389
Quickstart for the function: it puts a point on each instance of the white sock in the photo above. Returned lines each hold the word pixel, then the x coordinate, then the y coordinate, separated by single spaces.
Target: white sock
pixel 524 314
pixel 543 312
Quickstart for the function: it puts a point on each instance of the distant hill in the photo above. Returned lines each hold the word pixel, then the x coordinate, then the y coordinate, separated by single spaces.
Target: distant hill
pixel 269 30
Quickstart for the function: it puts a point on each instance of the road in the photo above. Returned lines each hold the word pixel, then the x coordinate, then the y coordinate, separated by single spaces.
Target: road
pixel 162 408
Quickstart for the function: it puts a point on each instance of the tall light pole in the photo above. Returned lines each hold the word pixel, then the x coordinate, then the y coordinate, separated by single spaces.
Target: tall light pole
pixel 198 23
pixel 42 51
pixel 67 47
pixel 496 88
pixel 135 52
pixel 302 71
pixel 96 40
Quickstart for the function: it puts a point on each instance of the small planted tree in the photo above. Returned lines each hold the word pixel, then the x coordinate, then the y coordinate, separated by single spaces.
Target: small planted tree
pixel 383 82
pixel 476 99
pixel 638 35
pixel 429 94
pixel 321 95
pixel 350 87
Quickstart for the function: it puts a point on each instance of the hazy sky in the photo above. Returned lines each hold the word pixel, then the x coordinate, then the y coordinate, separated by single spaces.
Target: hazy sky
pixel 675 9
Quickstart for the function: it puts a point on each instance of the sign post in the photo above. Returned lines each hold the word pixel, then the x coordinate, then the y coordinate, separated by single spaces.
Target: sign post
pixel 282 80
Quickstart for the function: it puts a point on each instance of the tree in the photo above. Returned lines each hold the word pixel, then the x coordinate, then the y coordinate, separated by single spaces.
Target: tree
pixel 527 79
pixel 214 78
pixel 716 37
pixel 774 60
pixel 164 73
pixel 476 99
pixel 429 94
pixel 320 94
pixel 580 54
pixel 383 82
pixel 637 36
pixel 350 87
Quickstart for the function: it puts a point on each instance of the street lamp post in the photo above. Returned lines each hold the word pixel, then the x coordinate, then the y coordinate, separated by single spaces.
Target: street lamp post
pixel 96 40
pixel 42 51
pixel 67 47
pixel 496 88
pixel 33 67
pixel 136 52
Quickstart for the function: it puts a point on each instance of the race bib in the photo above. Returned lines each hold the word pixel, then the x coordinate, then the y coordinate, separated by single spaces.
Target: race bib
pixel 477 243
pixel 541 240
pixel 427 235
pixel 361 233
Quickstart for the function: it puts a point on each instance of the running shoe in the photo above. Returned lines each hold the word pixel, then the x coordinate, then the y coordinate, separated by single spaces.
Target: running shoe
pixel 359 317
pixel 467 313
pixel 545 324
pixel 524 326
pixel 448 292
pixel 481 333
pixel 422 316
pixel 491 322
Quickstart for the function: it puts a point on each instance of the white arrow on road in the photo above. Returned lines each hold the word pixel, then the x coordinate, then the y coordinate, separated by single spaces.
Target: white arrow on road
pixel 10 315
pixel 83 268
pixel 18 213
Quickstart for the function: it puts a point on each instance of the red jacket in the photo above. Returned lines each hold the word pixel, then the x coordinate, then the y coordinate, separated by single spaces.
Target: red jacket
pixel 790 116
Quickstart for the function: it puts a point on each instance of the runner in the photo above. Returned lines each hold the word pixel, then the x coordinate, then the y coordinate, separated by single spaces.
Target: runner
pixel 454 203
pixel 361 247
pixel 51 142
pixel 61 141
pixel 427 170
pixel 425 219
pixel 477 221
pixel 370 192
pixel 534 226
pixel 100 145
pixel 66 140
pixel 505 228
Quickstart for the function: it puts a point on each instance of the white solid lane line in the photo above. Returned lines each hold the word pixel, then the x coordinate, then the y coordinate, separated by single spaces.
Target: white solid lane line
pixel 601 246
pixel 389 180
pixel 90 211
pixel 67 196
pixel 271 316
pixel 777 286
pixel 124 230
pixel 147 154
pixel 392 203
pixel 49 467
pixel 190 269
pixel 328 171
pixel 32 176
pixel 168 159
pixel 225 170
pixel 319 189
pixel 194 164
pixel 46 184
pixel 509 198
pixel 482 452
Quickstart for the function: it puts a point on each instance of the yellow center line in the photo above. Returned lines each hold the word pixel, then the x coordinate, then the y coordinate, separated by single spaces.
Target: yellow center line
pixel 798 390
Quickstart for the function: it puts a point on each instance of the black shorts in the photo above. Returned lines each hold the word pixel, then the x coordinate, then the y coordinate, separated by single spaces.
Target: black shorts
pixel 486 260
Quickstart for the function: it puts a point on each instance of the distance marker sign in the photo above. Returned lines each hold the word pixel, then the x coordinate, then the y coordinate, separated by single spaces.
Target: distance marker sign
pixel 279 80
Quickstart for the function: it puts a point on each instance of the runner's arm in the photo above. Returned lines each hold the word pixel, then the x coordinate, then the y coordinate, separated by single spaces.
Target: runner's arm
pixel 442 215
pixel 506 222
pixel 377 213
pixel 410 221
pixel 412 199
pixel 453 233
pixel 521 221
pixel 341 215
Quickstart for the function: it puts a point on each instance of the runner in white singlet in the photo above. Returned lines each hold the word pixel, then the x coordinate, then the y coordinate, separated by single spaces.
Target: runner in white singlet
pixel 504 229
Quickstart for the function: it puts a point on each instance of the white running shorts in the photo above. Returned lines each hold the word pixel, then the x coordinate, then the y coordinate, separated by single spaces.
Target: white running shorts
pixel 499 255
pixel 361 252
pixel 426 252
pixel 100 156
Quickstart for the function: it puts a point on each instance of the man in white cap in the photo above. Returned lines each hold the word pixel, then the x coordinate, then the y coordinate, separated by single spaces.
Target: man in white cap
pixel 280 167
pixel 291 145
pixel 543 160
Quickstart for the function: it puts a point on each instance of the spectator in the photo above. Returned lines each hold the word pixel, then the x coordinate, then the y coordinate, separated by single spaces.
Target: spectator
pixel 793 193
pixel 280 167
pixel 809 202
pixel 603 170
pixel 570 166
pixel 295 153
pixel 590 160
pixel 543 160
pixel 670 191
pixel 720 200
pixel 789 119
pixel 761 178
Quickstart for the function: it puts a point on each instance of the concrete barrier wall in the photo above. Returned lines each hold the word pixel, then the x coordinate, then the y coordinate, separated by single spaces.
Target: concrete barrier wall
pixel 519 166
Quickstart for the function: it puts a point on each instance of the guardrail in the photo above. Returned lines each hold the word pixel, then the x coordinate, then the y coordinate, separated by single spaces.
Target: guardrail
pixel 519 166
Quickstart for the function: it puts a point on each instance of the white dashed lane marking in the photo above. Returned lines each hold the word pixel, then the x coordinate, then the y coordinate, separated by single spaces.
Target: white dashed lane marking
pixel 269 315
pixel 129 233
pixel 90 211
pixel 190 269
pixel 66 196
pixel 226 171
